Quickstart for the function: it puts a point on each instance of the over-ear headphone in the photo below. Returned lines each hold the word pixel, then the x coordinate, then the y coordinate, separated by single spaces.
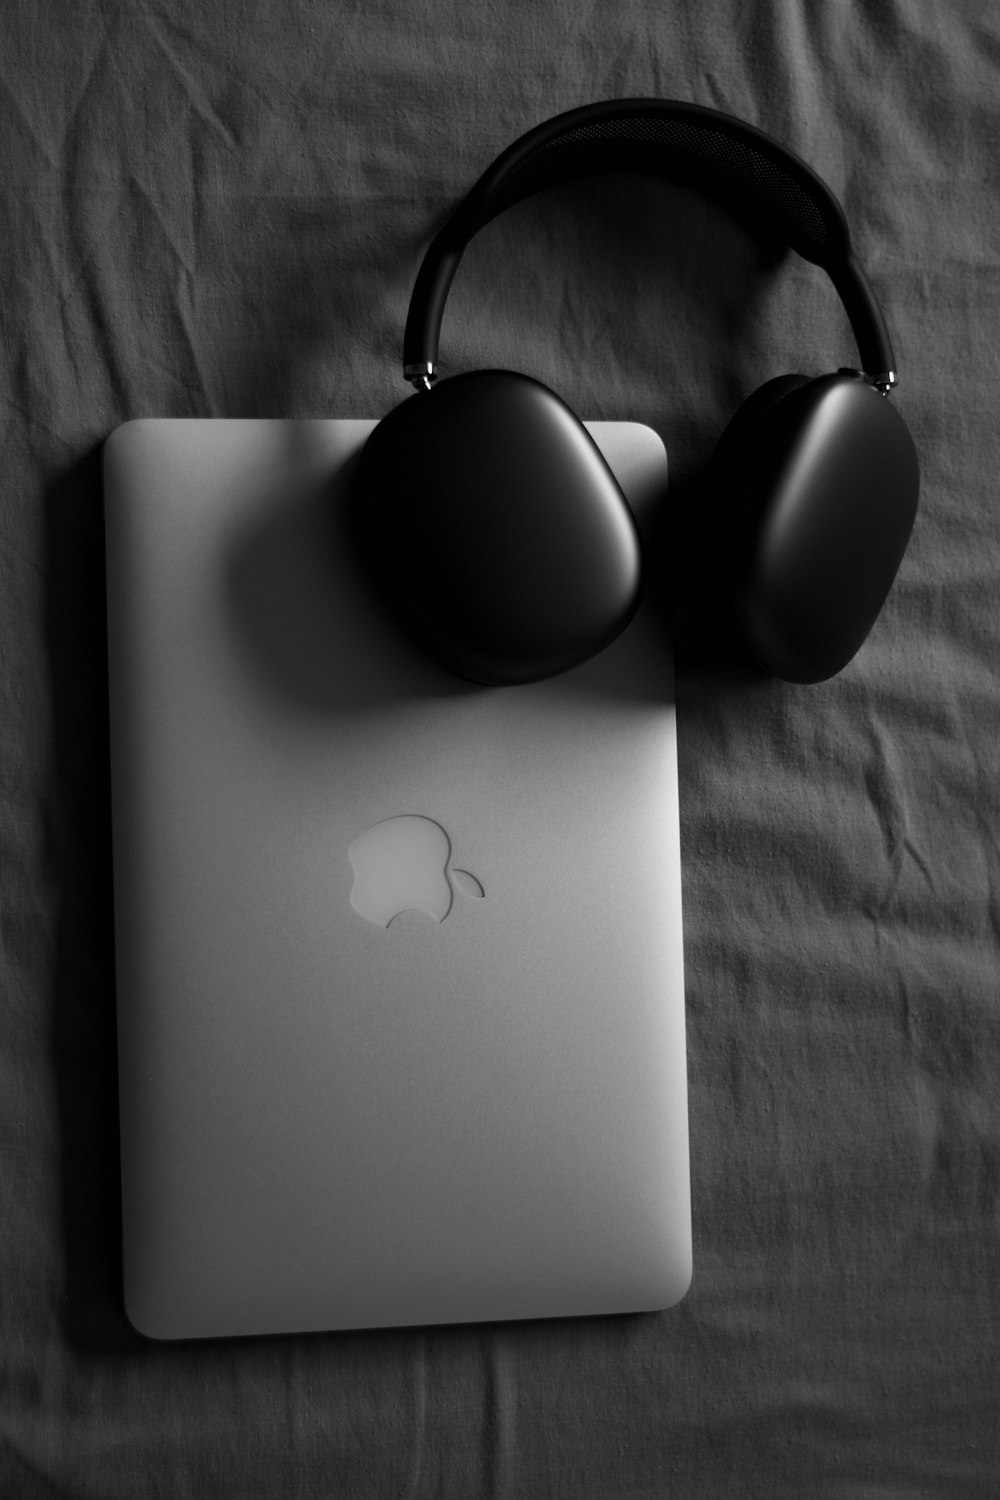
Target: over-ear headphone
pixel 496 529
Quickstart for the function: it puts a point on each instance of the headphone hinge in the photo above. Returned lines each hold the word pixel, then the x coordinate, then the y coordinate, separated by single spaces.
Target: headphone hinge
pixel 421 376
pixel 883 381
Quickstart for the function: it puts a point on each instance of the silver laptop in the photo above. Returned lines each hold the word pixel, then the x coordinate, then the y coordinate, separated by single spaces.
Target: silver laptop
pixel 399 960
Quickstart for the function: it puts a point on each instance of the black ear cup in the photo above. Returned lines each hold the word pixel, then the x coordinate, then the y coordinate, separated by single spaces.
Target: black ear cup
pixel 812 493
pixel 495 530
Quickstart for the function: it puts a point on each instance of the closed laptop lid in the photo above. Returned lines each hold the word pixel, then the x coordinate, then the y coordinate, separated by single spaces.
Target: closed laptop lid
pixel 399 959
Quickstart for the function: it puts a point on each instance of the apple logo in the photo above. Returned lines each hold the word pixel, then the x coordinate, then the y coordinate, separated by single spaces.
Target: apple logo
pixel 401 864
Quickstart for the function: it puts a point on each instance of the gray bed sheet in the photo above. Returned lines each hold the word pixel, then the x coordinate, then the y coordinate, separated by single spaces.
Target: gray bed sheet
pixel 218 210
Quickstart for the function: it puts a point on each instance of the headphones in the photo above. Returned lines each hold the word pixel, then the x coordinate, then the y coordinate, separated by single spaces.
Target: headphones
pixel 491 522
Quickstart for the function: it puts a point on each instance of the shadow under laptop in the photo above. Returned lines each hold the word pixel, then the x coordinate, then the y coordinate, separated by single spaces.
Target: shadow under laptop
pixel 83 1034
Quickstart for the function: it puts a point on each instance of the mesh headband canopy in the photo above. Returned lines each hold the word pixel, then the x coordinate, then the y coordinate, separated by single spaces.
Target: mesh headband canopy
pixel 700 147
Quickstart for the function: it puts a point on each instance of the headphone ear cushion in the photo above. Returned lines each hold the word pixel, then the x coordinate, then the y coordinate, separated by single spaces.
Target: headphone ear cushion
pixel 744 425
pixel 812 495
pixel 727 524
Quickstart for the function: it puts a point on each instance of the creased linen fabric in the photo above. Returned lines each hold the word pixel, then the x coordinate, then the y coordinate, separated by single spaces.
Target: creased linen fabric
pixel 218 210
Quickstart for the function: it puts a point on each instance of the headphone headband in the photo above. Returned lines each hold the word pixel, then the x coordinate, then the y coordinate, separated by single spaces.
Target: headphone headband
pixel 701 147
